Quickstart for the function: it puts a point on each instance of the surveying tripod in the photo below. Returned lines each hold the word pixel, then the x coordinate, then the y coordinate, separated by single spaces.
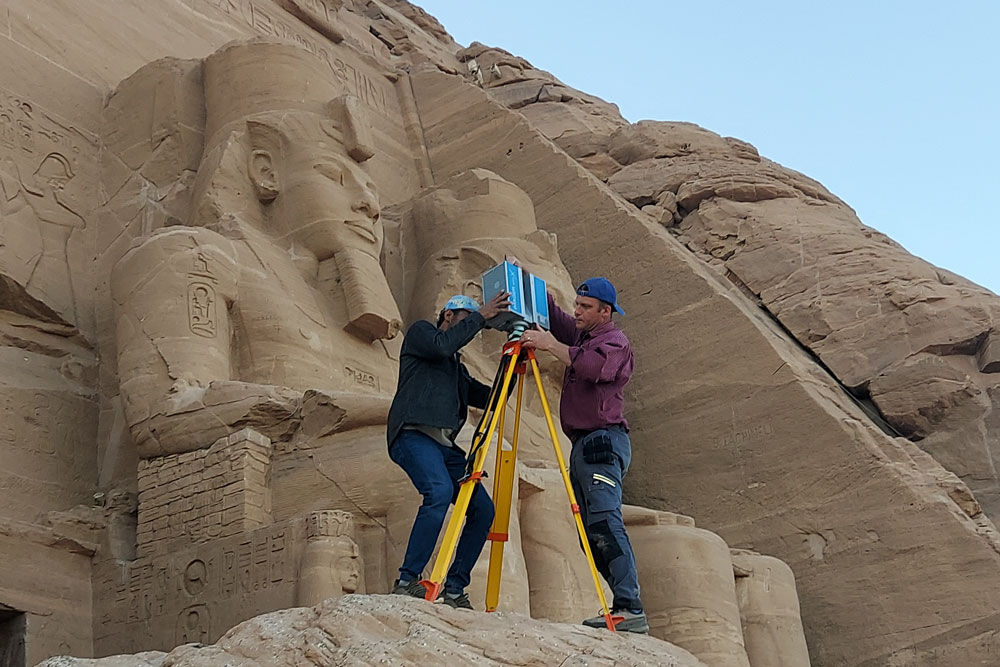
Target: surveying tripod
pixel 514 362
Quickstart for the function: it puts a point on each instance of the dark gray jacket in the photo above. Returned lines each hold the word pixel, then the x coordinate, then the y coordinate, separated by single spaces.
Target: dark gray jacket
pixel 435 388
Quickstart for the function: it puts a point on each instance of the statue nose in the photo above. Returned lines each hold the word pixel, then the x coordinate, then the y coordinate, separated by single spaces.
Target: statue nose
pixel 366 204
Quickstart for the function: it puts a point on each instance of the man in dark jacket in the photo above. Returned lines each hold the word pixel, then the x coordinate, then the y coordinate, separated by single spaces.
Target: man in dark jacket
pixel 428 410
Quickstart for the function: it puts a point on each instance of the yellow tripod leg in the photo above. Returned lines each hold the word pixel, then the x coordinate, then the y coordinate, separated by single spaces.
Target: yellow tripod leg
pixel 454 530
pixel 503 495
pixel 572 496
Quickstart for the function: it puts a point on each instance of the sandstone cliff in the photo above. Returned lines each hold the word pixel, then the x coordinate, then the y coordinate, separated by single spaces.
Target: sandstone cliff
pixel 215 393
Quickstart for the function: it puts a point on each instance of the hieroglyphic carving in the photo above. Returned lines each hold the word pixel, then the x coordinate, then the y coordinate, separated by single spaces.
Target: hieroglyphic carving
pixel 194 577
pixel 318 15
pixel 194 625
pixel 376 94
pixel 192 594
pixel 201 306
pixel 362 377
pixel 201 298
pixel 31 129
pixel 8 132
pixel 43 195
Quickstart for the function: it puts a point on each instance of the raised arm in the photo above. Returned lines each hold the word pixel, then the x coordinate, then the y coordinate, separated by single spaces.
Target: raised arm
pixel 426 340
pixel 563 326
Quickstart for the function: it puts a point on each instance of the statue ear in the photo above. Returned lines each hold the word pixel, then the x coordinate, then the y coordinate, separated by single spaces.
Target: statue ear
pixel 264 143
pixel 263 175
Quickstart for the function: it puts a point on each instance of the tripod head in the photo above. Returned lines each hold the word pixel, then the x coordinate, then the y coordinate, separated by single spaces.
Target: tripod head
pixel 516 329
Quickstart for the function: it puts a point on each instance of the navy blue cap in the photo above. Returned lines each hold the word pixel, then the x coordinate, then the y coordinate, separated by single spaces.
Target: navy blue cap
pixel 600 288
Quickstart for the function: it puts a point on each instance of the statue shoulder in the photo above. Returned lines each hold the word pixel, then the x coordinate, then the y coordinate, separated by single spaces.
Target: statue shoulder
pixel 182 252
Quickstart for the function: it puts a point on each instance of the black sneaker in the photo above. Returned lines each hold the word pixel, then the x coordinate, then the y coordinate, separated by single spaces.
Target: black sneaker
pixel 414 589
pixel 630 622
pixel 457 600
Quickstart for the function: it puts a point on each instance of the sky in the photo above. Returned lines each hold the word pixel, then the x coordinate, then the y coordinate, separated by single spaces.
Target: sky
pixel 894 106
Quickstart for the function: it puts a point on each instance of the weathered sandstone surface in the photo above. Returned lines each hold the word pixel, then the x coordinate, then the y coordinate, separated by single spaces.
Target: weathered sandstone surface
pixel 391 630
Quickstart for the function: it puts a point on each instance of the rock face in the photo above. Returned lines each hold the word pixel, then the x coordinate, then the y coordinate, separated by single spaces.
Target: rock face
pixel 217 218
pixel 391 630
pixel 867 309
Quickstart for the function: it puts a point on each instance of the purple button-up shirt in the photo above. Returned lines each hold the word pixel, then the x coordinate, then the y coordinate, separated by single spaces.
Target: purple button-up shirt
pixel 593 385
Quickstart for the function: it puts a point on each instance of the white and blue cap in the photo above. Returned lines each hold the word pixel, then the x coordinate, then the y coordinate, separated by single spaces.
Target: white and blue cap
pixel 462 302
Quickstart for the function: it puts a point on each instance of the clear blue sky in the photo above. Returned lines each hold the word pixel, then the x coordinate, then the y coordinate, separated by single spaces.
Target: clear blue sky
pixel 894 106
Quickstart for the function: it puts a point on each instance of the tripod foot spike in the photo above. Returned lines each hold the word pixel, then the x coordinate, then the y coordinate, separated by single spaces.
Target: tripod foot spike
pixel 433 589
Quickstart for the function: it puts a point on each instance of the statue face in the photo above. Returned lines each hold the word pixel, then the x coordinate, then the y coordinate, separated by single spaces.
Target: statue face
pixel 327 202
pixel 348 565
pixel 350 574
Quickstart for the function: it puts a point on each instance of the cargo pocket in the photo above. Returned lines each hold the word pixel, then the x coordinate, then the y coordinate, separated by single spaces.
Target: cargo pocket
pixel 603 493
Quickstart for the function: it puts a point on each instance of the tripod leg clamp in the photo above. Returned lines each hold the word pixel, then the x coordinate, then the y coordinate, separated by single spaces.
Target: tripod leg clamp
pixel 474 476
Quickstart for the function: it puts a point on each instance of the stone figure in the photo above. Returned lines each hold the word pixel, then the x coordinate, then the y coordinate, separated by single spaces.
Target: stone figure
pixel 274 287
pixel 454 232
pixel 686 575
pixel 331 562
pixel 769 609
pixel 458 230
pixel 39 215
pixel 559 579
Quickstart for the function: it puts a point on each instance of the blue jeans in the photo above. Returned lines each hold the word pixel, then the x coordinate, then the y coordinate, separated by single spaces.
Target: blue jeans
pixel 597 465
pixel 435 470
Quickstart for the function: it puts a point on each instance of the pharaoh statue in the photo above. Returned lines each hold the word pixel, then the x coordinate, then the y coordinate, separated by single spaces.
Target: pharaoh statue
pixel 270 309
pixel 461 228
pixel 452 233
pixel 273 288
pixel 331 562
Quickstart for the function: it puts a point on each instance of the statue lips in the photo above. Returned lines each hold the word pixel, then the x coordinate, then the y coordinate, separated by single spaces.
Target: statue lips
pixel 363 227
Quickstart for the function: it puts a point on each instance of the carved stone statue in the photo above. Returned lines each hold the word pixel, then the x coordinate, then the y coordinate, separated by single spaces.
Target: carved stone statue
pixel 331 562
pixel 688 586
pixel 461 228
pixel 274 287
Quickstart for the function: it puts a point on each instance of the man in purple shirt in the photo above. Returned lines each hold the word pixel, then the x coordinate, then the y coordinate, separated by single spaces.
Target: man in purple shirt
pixel 598 360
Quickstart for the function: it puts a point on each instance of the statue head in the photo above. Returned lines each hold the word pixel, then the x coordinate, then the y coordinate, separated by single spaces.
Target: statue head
pixel 348 564
pixel 332 533
pixel 276 116
pixel 282 156
pixel 315 194
pixel 467 225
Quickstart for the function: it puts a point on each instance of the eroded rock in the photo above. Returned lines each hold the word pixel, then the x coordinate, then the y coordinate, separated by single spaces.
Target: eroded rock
pixel 358 629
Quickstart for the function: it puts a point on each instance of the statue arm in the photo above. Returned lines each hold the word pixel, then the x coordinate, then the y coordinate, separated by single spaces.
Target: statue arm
pixel 172 294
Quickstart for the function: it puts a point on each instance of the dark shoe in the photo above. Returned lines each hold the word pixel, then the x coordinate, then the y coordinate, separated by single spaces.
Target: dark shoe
pixel 414 589
pixel 457 600
pixel 630 622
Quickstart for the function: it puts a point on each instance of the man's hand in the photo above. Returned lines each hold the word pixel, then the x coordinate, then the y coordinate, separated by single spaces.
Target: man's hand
pixel 495 306
pixel 537 339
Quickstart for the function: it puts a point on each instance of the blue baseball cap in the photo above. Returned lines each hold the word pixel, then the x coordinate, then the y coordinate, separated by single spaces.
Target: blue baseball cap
pixel 602 289
pixel 462 302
